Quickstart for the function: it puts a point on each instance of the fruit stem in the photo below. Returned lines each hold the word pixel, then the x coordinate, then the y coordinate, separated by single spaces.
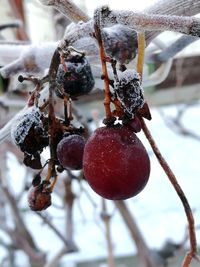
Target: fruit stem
pixel 141 53
pixel 191 224
pixel 103 57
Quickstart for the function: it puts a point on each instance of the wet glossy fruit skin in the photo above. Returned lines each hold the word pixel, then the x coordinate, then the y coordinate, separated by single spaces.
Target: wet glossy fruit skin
pixel 115 163
pixel 70 151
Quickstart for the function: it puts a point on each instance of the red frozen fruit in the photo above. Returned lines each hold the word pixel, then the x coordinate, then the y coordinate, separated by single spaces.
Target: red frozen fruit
pixel 115 163
pixel 70 151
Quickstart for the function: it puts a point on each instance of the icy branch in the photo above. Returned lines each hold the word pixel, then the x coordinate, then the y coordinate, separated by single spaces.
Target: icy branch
pixel 69 9
pixel 146 22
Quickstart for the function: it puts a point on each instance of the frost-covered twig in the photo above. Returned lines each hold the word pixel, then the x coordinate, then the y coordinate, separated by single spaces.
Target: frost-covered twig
pixel 171 7
pixel 150 22
pixel 68 8
pixel 32 59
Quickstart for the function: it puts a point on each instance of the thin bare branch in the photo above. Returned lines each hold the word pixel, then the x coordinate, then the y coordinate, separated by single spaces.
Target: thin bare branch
pixel 69 246
pixel 191 224
pixel 68 8
pixel 56 259
pixel 142 248
pixel 150 22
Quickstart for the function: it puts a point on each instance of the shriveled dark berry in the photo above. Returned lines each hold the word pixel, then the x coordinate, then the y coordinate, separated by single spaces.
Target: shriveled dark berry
pixel 120 43
pixel 75 76
pixel 39 198
pixel 29 134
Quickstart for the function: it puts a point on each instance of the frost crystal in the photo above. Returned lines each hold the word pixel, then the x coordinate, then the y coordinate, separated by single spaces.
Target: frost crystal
pixel 20 130
pixel 129 92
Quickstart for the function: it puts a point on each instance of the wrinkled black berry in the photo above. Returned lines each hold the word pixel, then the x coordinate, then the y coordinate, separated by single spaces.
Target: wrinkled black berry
pixel 129 92
pixel 29 134
pixel 120 43
pixel 75 77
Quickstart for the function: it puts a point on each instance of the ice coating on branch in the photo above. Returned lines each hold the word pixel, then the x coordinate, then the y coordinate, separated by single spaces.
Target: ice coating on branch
pixel 33 59
pixel 21 128
pixel 129 92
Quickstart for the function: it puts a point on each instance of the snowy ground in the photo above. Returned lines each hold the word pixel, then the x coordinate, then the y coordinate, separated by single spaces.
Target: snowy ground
pixel 157 209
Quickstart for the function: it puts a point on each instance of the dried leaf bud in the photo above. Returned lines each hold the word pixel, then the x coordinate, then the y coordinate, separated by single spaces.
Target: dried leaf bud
pixel 129 92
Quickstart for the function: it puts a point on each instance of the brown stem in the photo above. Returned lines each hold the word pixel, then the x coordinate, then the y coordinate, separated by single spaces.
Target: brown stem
pixel 107 98
pixel 191 225
pixel 106 218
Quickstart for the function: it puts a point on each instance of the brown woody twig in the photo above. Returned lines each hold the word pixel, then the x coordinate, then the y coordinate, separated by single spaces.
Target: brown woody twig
pixel 191 225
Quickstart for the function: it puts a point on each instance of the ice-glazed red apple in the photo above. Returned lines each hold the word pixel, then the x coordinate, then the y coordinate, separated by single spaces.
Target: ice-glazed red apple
pixel 115 163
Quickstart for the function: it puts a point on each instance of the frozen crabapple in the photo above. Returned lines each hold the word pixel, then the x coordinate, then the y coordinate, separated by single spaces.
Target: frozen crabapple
pixel 28 132
pixel 115 163
pixel 70 151
pixel 120 42
pixel 39 198
pixel 74 76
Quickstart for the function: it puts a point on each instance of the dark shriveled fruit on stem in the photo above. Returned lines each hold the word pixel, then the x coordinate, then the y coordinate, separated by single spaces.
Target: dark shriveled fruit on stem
pixel 74 76
pixel 115 163
pixel 28 132
pixel 120 43
pixel 70 151
pixel 39 198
